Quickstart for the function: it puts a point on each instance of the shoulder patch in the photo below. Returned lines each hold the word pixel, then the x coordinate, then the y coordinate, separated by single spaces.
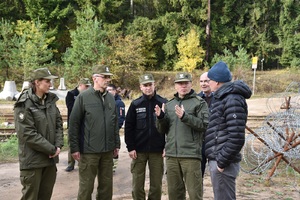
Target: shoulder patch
pixel 21 116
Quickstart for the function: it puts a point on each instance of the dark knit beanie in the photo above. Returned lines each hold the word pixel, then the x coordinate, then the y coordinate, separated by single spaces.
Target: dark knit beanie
pixel 220 73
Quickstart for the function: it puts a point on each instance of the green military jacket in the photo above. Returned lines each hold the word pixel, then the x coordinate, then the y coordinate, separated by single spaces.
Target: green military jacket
pixel 39 128
pixel 93 125
pixel 184 137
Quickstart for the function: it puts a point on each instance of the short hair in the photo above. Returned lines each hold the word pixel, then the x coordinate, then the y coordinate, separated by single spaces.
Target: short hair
pixel 112 85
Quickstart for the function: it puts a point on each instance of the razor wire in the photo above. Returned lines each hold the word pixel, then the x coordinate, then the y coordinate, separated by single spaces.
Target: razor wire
pixel 277 138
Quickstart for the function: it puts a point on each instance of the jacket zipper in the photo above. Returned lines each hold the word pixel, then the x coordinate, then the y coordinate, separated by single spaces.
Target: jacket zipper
pixel 103 108
pixel 177 129
pixel 149 123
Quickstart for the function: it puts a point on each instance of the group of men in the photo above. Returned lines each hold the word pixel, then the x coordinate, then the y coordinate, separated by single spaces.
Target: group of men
pixel 186 131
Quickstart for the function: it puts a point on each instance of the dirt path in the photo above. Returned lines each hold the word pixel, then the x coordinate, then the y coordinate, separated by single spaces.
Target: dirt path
pixel 66 187
pixel 248 186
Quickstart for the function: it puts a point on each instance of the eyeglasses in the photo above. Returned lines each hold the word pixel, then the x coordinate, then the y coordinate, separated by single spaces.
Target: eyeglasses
pixel 204 81
pixel 102 76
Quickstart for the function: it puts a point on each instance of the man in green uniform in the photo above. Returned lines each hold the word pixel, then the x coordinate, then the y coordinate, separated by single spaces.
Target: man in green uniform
pixel 184 120
pixel 94 136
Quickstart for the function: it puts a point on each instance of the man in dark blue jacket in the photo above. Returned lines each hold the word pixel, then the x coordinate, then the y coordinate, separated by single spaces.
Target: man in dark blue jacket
pixel 207 95
pixel 225 135
pixel 144 143
pixel 111 88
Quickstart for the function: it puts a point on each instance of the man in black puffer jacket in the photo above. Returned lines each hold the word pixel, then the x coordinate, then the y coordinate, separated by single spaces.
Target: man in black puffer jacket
pixel 225 135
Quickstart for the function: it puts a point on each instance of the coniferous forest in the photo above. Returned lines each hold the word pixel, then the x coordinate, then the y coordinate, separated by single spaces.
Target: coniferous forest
pixel 70 36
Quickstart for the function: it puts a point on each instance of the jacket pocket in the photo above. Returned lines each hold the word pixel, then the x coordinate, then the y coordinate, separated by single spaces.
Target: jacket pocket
pixel 82 167
pixel 27 177
pixel 132 166
pixel 141 121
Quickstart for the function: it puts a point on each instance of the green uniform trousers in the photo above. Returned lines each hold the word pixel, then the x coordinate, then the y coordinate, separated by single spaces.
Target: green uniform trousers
pixel 90 166
pixel 38 183
pixel 138 171
pixel 184 174
pixel 71 161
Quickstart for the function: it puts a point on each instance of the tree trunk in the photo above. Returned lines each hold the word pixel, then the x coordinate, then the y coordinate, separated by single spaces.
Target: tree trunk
pixel 207 32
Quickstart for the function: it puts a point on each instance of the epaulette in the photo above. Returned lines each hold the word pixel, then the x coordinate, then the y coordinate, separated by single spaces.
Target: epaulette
pixel 137 100
pixel 23 96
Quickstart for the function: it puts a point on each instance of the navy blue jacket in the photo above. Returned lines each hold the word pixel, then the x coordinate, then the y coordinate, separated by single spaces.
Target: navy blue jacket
pixel 140 130
pixel 206 98
pixel 120 110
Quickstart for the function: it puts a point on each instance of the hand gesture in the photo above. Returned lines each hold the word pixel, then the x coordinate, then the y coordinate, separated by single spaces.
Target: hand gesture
pixel 179 111
pixel 158 110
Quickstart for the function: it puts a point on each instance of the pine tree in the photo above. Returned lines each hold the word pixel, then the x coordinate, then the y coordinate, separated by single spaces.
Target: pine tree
pixel 88 46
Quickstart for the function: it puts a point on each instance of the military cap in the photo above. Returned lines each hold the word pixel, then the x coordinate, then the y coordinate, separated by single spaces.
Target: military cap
pixel 101 69
pixel 42 73
pixel 146 78
pixel 183 76
pixel 84 81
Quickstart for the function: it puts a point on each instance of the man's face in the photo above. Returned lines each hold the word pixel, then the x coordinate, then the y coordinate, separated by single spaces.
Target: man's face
pixel 101 81
pixel 83 87
pixel 148 88
pixel 183 88
pixel 213 85
pixel 204 83
pixel 111 90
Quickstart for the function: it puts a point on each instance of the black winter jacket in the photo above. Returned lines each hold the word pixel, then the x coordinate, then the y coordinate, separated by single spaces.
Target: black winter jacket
pixel 225 135
pixel 140 131
pixel 70 99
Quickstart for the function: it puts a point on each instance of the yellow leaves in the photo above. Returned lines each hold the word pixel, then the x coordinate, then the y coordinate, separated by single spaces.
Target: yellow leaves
pixel 190 52
pixel 34 31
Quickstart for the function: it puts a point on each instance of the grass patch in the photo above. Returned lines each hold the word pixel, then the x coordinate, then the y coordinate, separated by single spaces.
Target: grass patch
pixel 9 149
